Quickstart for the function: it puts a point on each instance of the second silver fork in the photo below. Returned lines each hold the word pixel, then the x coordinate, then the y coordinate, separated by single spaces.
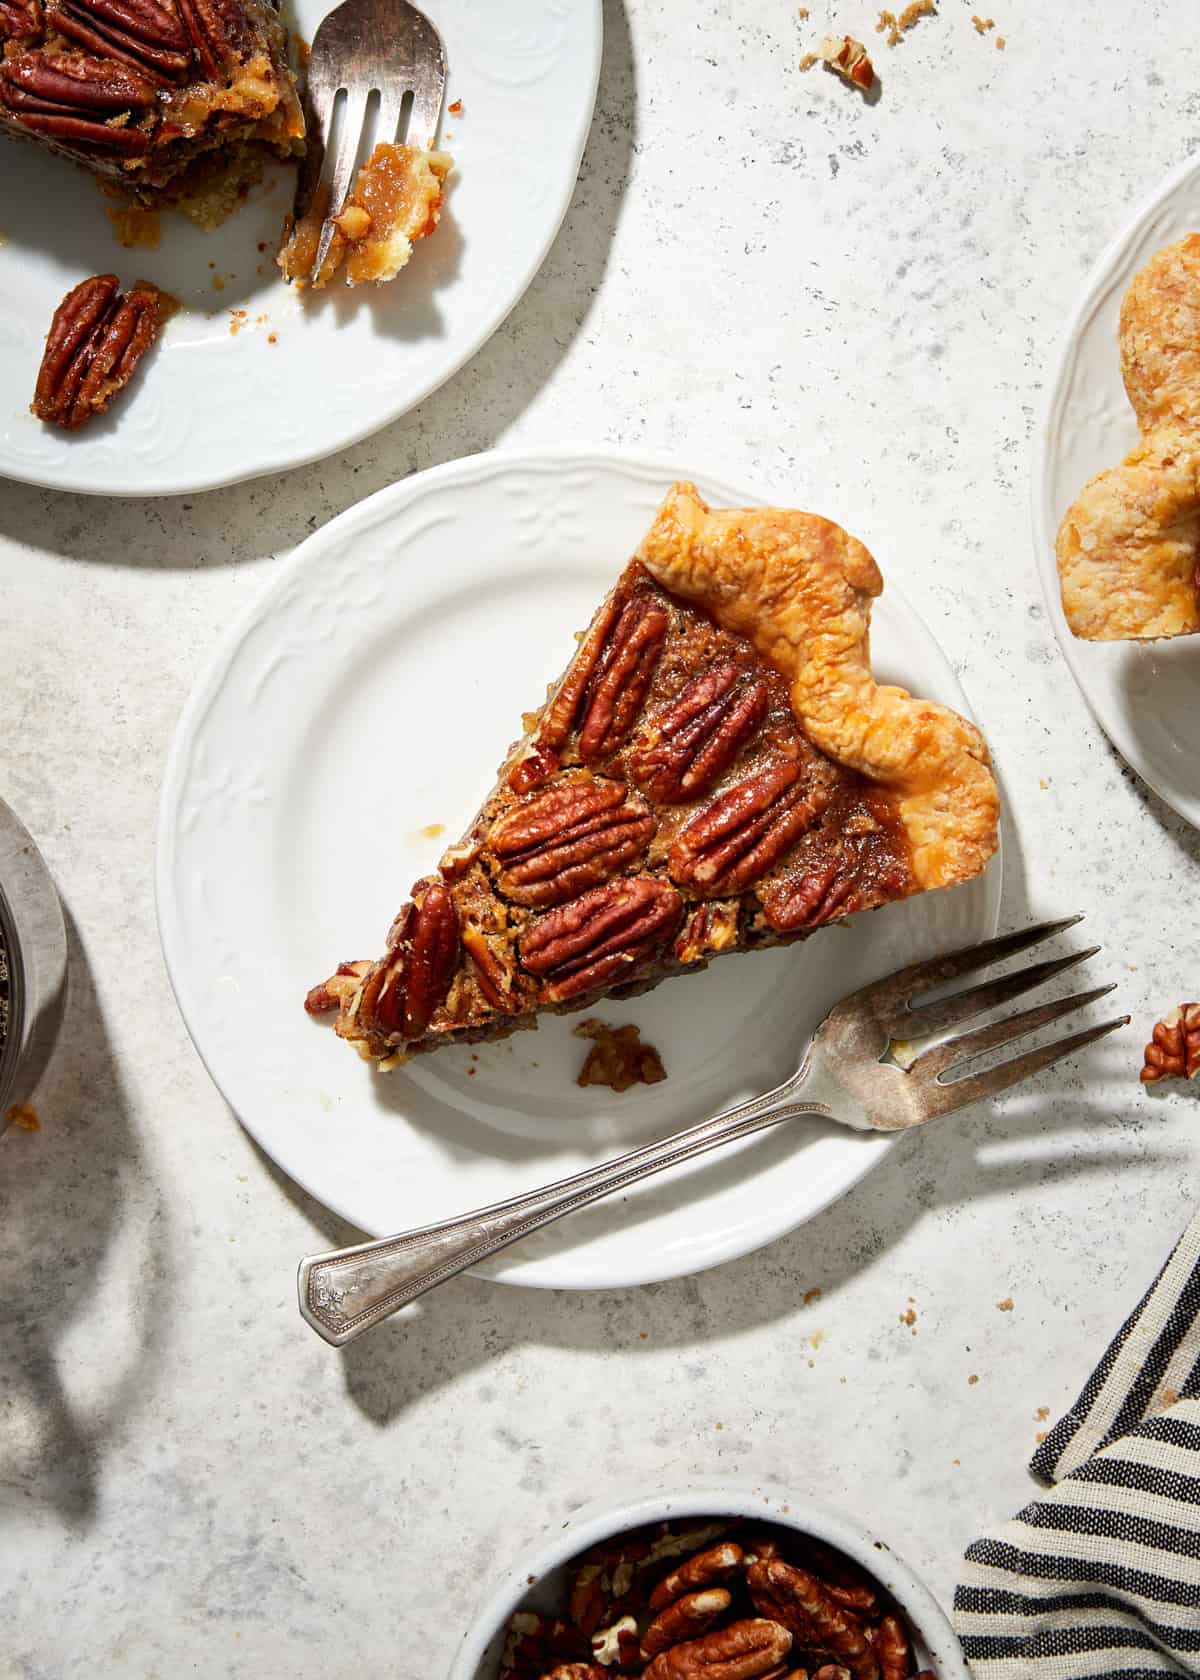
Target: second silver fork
pixel 363 47
pixel 861 1069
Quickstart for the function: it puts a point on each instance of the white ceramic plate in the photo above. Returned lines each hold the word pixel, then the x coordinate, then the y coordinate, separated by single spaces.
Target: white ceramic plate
pixel 1146 698
pixel 369 697
pixel 214 406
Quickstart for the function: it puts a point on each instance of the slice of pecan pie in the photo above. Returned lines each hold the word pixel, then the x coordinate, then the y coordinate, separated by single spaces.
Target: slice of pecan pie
pixel 715 771
pixel 172 101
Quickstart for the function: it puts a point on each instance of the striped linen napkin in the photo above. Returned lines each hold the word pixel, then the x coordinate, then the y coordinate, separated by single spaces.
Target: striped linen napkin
pixel 1101 1576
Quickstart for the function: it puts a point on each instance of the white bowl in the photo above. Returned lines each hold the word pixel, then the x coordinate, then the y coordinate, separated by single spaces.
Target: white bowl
pixel 479 1655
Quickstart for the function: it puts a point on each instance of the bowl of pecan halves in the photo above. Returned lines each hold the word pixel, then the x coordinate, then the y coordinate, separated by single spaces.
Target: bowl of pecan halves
pixel 721 1584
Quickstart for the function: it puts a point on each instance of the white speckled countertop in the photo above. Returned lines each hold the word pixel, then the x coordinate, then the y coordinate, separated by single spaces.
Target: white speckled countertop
pixel 855 305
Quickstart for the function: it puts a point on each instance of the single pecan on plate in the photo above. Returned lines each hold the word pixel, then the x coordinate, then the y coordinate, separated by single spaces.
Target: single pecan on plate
pixel 685 1618
pixel 747 829
pixel 689 745
pixel 567 837
pixel 96 340
pixel 622 678
pixel 1174 1048
pixel 792 1596
pixel 141 33
pixel 403 991
pixel 611 931
pixel 76 99
pixel 20 20
pixel 745 1650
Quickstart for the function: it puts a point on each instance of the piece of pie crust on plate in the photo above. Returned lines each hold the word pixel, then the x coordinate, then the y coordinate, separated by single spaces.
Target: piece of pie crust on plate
pixel 1129 548
pixel 715 771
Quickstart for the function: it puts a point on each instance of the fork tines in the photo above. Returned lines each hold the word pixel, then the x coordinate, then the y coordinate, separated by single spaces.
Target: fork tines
pixel 896 1011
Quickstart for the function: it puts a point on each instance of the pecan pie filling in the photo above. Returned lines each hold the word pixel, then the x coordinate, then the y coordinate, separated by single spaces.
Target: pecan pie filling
pixel 174 101
pixel 668 803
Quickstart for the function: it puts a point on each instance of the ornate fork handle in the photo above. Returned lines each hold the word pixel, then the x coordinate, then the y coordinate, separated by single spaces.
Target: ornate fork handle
pixel 348 1290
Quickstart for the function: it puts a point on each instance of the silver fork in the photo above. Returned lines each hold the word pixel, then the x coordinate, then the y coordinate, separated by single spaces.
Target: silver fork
pixel 363 47
pixel 861 1069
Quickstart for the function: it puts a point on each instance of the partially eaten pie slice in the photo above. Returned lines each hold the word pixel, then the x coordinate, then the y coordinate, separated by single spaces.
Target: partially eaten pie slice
pixel 173 102
pixel 715 771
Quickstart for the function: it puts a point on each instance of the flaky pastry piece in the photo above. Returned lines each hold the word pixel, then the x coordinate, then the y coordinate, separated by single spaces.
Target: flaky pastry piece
pixel 1129 548
pixel 396 199
pixel 800 588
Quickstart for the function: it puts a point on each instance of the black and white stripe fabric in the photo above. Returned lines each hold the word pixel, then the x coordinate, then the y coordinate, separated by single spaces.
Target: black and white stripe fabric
pixel 1101 1576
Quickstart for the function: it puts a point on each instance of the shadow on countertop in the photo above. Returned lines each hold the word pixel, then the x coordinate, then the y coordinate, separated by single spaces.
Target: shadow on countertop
pixel 469 414
pixel 64 1192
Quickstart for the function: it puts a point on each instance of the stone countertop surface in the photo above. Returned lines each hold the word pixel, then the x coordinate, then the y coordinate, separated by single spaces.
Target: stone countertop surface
pixel 856 305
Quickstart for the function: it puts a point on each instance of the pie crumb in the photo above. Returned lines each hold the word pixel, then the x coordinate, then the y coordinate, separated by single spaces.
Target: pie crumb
pixel 848 59
pixel 1001 42
pixel 809 59
pixel 810 1295
pixel 971 1381
pixel 898 27
pixel 908 1317
pixel 456 109
pixel 1006 1305
pixel 618 1058
pixel 982 25
pixel 1042 1413
pixel 25 1116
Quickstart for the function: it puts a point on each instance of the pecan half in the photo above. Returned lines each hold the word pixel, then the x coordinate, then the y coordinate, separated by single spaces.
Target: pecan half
pixel 1174 1048
pixel 79 100
pixel 141 33
pixel 570 836
pixel 742 1651
pixel 494 965
pixel 533 768
pixel 690 745
pixel 744 831
pixel 534 1643
pixel 612 930
pixel 685 1618
pixel 217 29
pixel 609 1580
pixel 617 1646
pixel 96 340
pixel 892 1649
pixel 622 678
pixel 561 712
pixel 405 989
pixel 707 1569
pixel 798 1600
pixel 20 20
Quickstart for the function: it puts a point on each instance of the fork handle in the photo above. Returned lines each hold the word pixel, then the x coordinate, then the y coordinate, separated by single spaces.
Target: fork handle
pixel 348 1290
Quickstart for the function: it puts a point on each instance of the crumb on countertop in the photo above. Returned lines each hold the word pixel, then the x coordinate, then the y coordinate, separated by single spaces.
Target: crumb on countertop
pixel 809 59
pixel 810 1295
pixel 1042 1413
pixel 982 25
pixel 848 59
pixel 908 1317
pixel 456 109
pixel 1001 42
pixel 898 27
pixel 972 1380
pixel 1006 1305
pixel 25 1116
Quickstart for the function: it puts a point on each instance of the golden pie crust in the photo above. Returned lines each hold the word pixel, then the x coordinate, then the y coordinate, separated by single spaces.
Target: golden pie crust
pixel 1129 548
pixel 800 588
pixel 396 199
